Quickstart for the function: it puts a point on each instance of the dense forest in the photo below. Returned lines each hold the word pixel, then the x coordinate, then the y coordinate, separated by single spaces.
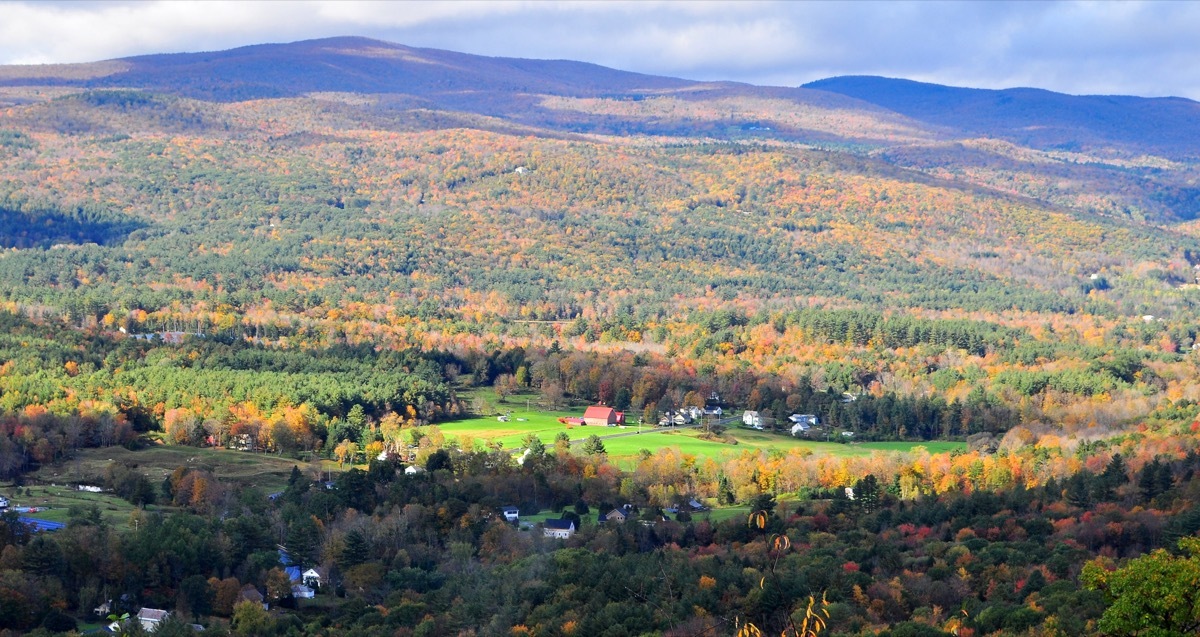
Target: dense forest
pixel 199 258
pixel 429 554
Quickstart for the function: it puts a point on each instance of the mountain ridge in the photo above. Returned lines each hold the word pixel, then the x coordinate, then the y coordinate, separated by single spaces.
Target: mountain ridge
pixel 508 87
pixel 1044 119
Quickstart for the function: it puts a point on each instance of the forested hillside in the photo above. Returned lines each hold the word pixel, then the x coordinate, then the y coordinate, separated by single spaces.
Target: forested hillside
pixel 329 250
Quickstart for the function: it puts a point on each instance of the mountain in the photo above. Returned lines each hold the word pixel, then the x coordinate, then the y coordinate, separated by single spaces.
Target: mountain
pixel 1038 118
pixel 321 171
pixel 1124 157
pixel 511 88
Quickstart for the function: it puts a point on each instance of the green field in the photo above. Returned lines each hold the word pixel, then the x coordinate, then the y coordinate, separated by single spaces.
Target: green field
pixel 58 499
pixel 623 450
pixel 523 422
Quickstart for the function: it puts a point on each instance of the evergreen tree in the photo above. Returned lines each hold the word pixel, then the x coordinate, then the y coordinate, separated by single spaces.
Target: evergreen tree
pixel 1149 479
pixel 866 493
pixel 593 445
pixel 303 541
pixel 355 551
pixel 1078 493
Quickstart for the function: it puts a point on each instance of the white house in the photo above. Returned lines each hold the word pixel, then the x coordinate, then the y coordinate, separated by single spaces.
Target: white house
pixel 801 423
pixel 561 529
pixel 150 618
pixel 300 591
pixel 313 577
pixel 412 470
pixel 752 419
pixel 511 514
pixel 3 502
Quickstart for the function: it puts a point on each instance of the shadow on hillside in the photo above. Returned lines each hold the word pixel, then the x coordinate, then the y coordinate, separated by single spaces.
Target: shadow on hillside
pixel 47 228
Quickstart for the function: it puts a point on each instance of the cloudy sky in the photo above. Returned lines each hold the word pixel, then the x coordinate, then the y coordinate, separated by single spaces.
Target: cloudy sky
pixel 1107 47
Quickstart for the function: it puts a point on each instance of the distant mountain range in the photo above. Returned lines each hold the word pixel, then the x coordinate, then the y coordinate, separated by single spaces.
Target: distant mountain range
pixel 1035 117
pixel 354 170
pixel 1118 156
pixel 512 87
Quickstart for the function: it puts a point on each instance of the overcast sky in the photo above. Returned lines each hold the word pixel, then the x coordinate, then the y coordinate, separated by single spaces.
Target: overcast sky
pixel 1105 47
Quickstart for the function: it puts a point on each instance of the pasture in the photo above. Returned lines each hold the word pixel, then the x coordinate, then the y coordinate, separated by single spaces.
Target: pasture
pixel 57 500
pixel 263 471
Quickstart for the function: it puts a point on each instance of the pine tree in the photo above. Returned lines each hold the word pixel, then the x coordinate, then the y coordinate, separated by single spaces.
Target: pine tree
pixel 355 551
pixel 1148 479
pixel 1078 493
pixel 593 445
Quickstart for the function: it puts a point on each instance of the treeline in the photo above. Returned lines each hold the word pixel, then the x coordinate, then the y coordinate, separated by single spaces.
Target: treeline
pixel 857 327
pixel 61 389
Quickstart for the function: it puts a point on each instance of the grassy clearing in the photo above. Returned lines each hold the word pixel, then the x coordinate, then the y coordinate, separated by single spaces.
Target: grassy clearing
pixel 935 446
pixel 59 499
pixel 264 471
pixel 624 451
pixel 724 513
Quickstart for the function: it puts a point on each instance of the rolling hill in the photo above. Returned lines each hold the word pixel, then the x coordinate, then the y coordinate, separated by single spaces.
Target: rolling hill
pixel 1039 118
pixel 322 172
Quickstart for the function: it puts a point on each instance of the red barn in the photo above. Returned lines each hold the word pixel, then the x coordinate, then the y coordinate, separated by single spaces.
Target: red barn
pixel 603 416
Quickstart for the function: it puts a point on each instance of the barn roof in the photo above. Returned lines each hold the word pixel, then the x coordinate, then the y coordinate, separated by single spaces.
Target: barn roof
pixel 599 411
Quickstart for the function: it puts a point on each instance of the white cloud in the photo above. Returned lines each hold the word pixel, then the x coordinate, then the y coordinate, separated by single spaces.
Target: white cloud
pixel 1145 48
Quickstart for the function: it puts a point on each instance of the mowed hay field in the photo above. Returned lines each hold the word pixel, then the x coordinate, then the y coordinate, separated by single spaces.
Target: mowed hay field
pixel 543 424
pixel 624 450
pixel 629 441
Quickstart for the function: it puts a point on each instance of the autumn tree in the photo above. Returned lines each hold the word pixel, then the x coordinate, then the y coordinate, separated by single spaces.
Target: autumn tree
pixel 505 385
pixel 1154 594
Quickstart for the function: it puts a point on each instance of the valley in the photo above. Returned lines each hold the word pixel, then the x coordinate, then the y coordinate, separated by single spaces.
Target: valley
pixel 348 298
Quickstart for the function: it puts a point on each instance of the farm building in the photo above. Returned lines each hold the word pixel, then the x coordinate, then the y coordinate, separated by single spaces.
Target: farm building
pixel 599 415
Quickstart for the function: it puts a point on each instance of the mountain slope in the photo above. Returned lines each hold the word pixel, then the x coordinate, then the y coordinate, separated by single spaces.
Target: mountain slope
pixel 373 171
pixel 519 90
pixel 1038 118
